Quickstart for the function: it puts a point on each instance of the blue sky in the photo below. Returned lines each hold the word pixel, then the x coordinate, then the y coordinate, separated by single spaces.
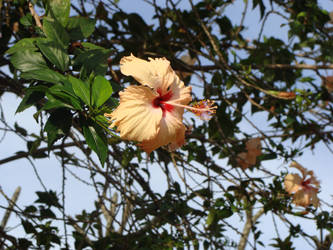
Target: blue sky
pixel 80 196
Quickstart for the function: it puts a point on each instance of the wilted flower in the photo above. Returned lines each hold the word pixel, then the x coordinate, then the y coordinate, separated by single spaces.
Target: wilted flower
pixel 303 189
pixel 249 158
pixel 152 113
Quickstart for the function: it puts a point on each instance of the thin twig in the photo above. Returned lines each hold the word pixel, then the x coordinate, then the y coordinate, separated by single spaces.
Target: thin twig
pixel 35 16
pixel 10 207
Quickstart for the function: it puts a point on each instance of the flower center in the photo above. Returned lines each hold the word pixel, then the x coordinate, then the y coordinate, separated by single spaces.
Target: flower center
pixel 306 184
pixel 159 102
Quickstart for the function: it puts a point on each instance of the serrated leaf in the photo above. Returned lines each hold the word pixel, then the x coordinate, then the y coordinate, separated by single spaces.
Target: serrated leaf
pixel 46 75
pixel 24 44
pixel 59 9
pixel 80 27
pixel 55 53
pixel 31 97
pixel 93 60
pixel 101 91
pixel 55 32
pixel 53 103
pixel 26 20
pixel 66 94
pixel 27 60
pixel 81 89
pixel 96 140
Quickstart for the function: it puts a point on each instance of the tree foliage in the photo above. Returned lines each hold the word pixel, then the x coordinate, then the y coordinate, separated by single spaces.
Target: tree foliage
pixel 62 57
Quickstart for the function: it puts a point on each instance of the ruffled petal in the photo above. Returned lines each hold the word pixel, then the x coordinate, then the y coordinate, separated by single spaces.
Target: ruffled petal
pixel 242 160
pixel 135 118
pixel 253 146
pixel 172 130
pixel 156 73
pixel 314 199
pixel 301 198
pixel 292 183
pixel 302 169
pixel 306 197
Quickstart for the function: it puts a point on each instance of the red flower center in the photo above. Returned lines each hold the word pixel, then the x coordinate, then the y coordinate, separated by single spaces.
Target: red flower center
pixel 306 184
pixel 159 102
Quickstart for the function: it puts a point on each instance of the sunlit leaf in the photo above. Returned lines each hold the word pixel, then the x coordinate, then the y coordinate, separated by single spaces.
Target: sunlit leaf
pixel 101 91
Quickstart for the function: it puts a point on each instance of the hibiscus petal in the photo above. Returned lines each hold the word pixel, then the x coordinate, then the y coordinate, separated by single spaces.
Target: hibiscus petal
pixel 242 160
pixel 135 117
pixel 172 130
pixel 302 169
pixel 156 73
pixel 301 198
pixel 253 146
pixel 292 183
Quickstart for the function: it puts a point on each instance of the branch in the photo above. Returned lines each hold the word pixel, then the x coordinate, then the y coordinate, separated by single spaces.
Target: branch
pixel 10 207
pixel 269 66
pixel 20 155
pixel 36 17
pixel 250 220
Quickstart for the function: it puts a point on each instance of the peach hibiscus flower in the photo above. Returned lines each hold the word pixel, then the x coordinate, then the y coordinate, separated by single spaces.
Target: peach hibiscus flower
pixel 152 113
pixel 253 150
pixel 304 189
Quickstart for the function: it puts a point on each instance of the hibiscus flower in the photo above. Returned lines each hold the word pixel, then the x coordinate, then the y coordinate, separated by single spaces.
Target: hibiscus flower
pixel 249 158
pixel 152 113
pixel 304 189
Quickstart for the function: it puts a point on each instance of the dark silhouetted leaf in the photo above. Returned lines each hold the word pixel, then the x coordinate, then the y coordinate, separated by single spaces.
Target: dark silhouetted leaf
pixel 58 125
pixel 48 198
pixel 80 27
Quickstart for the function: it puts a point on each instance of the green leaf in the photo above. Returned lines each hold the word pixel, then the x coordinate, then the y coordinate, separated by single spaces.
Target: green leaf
pixel 31 97
pixel 53 103
pixel 27 60
pixel 58 125
pixel 94 60
pixel 66 94
pixel 28 227
pixel 46 75
pixel 48 198
pixel 55 32
pixel 59 9
pixel 211 217
pixel 225 213
pixel 20 130
pixel 261 6
pixel 96 140
pixel 54 53
pixel 81 89
pixel 26 20
pixel 101 91
pixel 137 25
pixel 24 44
pixel 80 27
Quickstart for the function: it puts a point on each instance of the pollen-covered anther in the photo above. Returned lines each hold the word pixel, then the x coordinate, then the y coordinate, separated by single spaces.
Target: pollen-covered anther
pixel 205 109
